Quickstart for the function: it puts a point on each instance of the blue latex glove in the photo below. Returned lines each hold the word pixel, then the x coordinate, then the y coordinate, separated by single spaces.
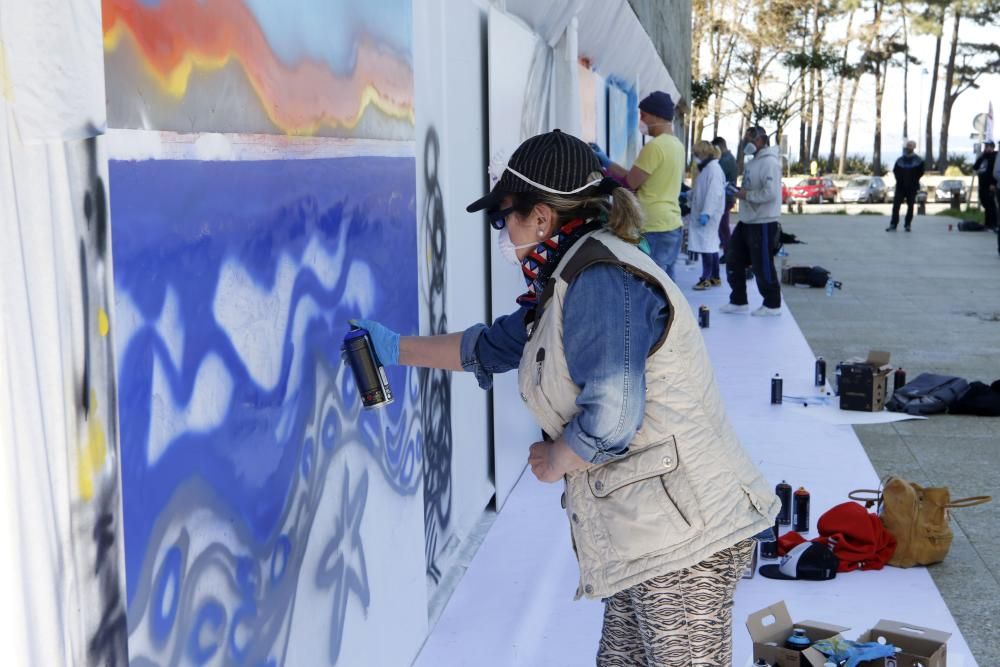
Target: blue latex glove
pixel 601 155
pixel 703 219
pixel 385 339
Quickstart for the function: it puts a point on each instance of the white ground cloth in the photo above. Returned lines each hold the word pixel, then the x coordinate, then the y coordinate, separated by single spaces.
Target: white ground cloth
pixel 515 607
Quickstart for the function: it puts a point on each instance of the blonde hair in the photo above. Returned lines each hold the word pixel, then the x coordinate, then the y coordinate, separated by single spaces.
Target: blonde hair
pixel 625 216
pixel 706 149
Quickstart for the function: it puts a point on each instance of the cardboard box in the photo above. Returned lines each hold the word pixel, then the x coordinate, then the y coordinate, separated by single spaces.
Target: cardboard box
pixel 921 646
pixel 864 384
pixel 771 626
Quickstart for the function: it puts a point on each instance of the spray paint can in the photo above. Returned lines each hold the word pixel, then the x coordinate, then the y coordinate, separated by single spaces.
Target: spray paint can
pixel 820 374
pixel 784 493
pixel 761 662
pixel 703 316
pixel 800 504
pixel 776 389
pixel 836 384
pixel 798 641
pixel 898 380
pixel 769 548
pixel 369 373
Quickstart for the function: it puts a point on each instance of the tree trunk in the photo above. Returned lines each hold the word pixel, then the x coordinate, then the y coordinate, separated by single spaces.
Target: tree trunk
pixel 847 124
pixel 880 77
pixel 946 96
pixel 929 131
pixel 840 97
pixel 820 116
pixel 881 69
pixel 906 78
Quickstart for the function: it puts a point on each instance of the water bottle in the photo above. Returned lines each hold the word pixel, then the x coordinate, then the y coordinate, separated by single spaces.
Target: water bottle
pixel 829 286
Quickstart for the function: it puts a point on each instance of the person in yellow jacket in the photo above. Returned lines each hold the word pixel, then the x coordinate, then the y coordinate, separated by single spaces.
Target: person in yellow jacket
pixel 656 178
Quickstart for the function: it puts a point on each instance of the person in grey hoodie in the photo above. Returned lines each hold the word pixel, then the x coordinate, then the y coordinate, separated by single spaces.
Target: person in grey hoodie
pixel 755 237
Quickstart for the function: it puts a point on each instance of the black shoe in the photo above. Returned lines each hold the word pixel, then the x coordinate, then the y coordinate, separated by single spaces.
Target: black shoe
pixel 906 229
pixel 890 228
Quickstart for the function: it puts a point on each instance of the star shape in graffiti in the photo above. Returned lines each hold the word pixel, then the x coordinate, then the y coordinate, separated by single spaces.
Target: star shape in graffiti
pixel 342 565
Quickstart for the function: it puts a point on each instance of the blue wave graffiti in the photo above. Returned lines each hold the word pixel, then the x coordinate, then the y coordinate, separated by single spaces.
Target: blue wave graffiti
pixel 177 225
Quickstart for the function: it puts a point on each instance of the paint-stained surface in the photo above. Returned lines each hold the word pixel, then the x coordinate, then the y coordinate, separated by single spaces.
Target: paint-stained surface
pixel 249 467
pixel 301 67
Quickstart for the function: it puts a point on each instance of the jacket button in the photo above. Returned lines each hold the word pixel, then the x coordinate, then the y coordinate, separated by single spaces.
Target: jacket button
pixel 667 461
pixel 588 589
pixel 562 500
pixel 598 485
pixel 576 519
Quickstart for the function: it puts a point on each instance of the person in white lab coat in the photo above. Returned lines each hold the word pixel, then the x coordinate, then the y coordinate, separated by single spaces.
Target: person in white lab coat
pixel 708 203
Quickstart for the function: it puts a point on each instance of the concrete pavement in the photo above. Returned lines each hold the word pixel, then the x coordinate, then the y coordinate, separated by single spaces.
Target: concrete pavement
pixel 931 298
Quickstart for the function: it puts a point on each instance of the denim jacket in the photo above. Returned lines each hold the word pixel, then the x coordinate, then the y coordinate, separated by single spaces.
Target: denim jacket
pixel 609 316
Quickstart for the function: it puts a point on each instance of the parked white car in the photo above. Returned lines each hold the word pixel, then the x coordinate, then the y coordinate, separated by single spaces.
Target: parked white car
pixel 863 189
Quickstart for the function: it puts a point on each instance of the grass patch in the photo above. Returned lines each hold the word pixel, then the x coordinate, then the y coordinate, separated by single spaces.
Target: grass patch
pixel 976 214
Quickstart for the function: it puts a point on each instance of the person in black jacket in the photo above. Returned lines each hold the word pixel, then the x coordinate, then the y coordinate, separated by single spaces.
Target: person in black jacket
pixel 728 164
pixel 909 168
pixel 987 184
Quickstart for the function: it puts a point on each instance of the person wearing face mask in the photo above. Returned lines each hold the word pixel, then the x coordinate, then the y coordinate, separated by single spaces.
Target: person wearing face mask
pixel 908 170
pixel 662 500
pixel 708 203
pixel 656 178
pixel 755 237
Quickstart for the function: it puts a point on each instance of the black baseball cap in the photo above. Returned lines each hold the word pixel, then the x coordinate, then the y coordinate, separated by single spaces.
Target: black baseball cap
pixel 811 561
pixel 553 162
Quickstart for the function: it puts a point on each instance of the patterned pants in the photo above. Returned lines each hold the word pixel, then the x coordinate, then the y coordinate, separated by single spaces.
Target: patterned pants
pixel 679 619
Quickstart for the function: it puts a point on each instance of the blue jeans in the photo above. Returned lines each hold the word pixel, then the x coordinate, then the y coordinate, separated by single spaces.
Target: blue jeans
pixel 664 247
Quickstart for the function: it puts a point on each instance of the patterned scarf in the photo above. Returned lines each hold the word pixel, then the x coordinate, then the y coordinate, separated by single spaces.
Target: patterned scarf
pixel 538 265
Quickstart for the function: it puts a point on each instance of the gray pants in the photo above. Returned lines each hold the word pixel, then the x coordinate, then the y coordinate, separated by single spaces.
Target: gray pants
pixel 681 618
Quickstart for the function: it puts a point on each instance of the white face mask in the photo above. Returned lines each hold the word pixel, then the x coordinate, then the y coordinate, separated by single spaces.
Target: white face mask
pixel 508 250
pixel 643 128
pixel 749 149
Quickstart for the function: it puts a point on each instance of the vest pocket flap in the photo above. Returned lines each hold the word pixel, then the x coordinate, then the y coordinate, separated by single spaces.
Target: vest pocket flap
pixel 652 461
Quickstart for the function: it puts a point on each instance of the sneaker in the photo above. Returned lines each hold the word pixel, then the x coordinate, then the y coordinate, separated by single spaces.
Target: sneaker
pixel 716 282
pixel 764 311
pixel 906 229
pixel 890 228
pixel 702 285
pixel 733 309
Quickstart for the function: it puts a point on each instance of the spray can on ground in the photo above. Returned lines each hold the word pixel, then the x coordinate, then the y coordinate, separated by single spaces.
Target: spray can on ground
pixel 761 662
pixel 776 389
pixel 769 548
pixel 784 493
pixel 798 641
pixel 836 383
pixel 369 373
pixel 820 374
pixel 800 505
pixel 703 316
pixel 898 380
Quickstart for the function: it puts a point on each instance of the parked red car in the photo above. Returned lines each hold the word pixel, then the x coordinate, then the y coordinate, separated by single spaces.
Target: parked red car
pixel 815 190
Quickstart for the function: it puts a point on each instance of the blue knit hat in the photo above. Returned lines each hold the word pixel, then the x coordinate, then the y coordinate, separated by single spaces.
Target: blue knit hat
pixel 659 104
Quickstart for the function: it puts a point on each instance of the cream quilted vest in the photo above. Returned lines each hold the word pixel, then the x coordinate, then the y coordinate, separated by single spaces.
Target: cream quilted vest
pixel 686 489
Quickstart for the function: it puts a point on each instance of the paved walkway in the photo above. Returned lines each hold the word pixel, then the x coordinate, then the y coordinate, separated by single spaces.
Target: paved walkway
pixel 932 298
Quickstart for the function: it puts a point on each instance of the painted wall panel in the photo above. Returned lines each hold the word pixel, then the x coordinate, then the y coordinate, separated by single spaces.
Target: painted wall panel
pixel 303 67
pixel 256 491
pixel 61 565
pixel 618 119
